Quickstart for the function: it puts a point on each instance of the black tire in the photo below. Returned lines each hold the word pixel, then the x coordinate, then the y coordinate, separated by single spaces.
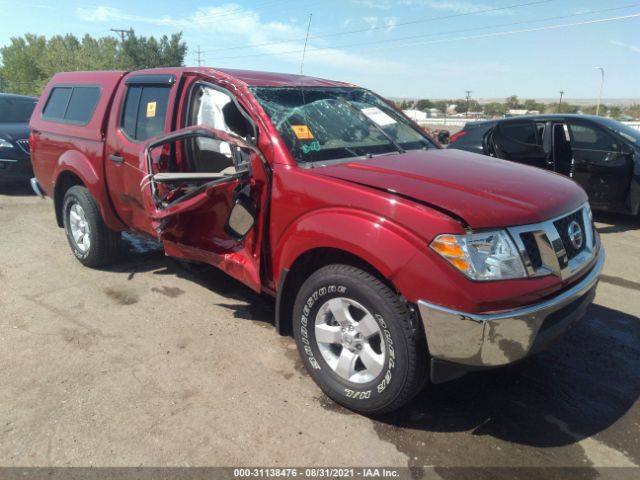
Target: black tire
pixel 104 246
pixel 404 369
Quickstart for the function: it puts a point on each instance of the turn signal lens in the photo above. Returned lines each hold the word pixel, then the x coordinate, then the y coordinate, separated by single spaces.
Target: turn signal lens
pixel 447 248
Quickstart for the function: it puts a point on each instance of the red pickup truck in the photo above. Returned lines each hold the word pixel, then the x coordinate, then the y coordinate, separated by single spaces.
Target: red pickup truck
pixel 392 261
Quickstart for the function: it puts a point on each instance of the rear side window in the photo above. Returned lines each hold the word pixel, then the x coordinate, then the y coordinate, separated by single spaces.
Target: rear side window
pixel 514 140
pixel 144 112
pixel 71 104
pixel 520 132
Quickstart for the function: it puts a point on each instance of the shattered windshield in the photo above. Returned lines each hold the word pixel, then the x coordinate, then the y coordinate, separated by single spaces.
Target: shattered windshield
pixel 323 124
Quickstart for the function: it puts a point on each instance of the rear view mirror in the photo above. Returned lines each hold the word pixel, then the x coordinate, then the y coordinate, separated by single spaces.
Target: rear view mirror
pixel 241 218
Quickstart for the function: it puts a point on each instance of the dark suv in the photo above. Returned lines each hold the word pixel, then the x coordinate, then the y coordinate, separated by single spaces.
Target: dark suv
pixel 15 112
pixel 600 154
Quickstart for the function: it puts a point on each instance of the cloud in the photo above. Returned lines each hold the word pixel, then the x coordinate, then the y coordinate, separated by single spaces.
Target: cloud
pixel 455 6
pixel 372 22
pixel 628 46
pixel 452 6
pixel 391 23
pixel 245 26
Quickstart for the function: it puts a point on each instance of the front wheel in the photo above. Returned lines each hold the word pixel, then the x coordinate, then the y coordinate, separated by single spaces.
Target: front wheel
pixel 358 340
pixel 91 241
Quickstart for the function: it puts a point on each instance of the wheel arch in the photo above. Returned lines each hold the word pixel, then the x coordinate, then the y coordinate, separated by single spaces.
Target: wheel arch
pixel 337 235
pixel 74 168
pixel 292 278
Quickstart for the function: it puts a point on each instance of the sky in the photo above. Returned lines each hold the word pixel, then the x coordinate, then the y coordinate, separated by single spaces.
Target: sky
pixel 404 48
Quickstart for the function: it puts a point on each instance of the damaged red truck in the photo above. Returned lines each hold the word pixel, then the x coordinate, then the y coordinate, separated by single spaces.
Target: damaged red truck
pixel 392 261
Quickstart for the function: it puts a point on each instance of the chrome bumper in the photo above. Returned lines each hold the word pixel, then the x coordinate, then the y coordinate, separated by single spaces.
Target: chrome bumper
pixel 488 340
pixel 35 186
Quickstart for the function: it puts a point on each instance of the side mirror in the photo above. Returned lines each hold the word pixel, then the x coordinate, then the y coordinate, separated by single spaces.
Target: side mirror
pixel 241 218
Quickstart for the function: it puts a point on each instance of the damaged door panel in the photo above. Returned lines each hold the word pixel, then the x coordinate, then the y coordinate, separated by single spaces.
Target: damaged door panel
pixel 204 200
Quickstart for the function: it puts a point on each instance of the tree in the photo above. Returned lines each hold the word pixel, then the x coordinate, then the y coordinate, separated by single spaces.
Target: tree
pixel 533 105
pixel 22 70
pixel 494 109
pixel 142 52
pixel 441 105
pixel 512 103
pixel 29 62
pixel 424 105
pixel 613 111
pixel 566 108
pixel 633 110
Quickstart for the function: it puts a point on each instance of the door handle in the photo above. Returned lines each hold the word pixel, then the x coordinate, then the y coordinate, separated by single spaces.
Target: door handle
pixel 116 159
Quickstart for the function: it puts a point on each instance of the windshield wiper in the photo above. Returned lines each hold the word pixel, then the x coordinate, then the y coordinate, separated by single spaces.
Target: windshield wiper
pixel 395 144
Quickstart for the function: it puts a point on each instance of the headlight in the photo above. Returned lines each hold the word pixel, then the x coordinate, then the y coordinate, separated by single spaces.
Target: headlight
pixel 5 143
pixel 481 256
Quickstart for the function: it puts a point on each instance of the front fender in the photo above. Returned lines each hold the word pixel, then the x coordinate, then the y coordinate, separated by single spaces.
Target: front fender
pixel 381 243
pixel 79 165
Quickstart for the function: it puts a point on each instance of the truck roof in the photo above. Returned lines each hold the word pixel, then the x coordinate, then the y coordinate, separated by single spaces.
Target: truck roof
pixel 108 82
pixel 251 78
pixel 254 78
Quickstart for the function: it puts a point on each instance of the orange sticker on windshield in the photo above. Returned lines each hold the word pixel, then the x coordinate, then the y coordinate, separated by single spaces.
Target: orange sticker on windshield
pixel 302 132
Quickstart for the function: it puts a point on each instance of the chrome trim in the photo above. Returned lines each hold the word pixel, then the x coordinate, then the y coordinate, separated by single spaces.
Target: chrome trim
pixel 23 143
pixel 8 160
pixel 552 251
pixel 36 187
pixel 494 339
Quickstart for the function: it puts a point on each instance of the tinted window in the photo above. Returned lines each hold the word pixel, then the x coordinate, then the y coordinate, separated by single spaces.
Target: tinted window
pixel 518 141
pixel 130 112
pixel 16 110
pixel 591 138
pixel 145 112
pixel 520 132
pixel 71 104
pixel 57 103
pixel 82 104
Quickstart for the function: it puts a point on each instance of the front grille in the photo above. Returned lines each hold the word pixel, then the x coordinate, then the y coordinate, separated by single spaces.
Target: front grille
pixel 546 247
pixel 532 249
pixel 562 226
pixel 24 145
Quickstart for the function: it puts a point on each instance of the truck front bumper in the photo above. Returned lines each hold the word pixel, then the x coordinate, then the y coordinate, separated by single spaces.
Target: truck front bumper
pixel 460 341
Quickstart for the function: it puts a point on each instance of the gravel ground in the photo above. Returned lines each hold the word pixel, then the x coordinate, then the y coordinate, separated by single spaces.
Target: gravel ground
pixel 151 363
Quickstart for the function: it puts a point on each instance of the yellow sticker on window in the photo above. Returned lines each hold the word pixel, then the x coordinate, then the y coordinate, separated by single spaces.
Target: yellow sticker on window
pixel 302 132
pixel 151 109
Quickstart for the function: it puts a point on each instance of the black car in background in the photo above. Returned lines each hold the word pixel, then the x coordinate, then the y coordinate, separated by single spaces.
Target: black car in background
pixel 15 161
pixel 600 154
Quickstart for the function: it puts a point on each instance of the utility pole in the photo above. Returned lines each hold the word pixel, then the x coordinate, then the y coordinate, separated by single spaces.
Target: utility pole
pixel 122 32
pixel 468 92
pixel 560 102
pixel 601 85
pixel 199 59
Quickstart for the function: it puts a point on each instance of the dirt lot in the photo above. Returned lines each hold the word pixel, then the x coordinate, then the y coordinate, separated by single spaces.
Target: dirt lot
pixel 152 364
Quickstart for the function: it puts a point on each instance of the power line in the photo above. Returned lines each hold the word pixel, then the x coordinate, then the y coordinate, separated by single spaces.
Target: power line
pixel 383 27
pixel 330 50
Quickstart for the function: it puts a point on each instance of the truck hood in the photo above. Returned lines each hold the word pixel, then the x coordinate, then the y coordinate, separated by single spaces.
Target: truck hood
pixel 482 191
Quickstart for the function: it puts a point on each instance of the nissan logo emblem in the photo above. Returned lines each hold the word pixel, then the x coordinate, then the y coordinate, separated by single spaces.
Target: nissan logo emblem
pixel 575 235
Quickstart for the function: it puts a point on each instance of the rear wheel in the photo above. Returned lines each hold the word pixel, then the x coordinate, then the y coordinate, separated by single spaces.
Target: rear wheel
pixel 91 241
pixel 358 340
